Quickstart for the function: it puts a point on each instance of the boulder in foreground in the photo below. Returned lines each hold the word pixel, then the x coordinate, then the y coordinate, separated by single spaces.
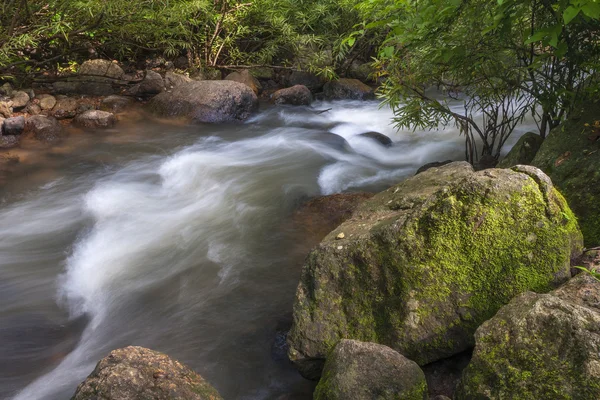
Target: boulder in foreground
pixel 206 101
pixel 137 373
pixel 421 265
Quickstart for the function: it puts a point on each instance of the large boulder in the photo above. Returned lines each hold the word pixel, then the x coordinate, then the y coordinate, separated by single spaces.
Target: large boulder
pixel 95 119
pixel 539 346
pixel 570 155
pixel 421 265
pixel 523 152
pixel 245 77
pixel 44 129
pixel 366 371
pixel 136 373
pixel 348 89
pixel 100 67
pixel 207 101
pixel 298 95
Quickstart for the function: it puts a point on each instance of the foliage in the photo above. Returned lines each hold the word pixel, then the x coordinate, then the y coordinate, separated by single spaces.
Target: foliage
pixel 593 273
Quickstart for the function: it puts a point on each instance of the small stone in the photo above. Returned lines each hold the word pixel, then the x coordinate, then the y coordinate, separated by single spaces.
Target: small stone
pixel 340 247
pixel 34 109
pixel 47 101
pixel 95 119
pixel 20 99
pixel 6 109
pixel 340 236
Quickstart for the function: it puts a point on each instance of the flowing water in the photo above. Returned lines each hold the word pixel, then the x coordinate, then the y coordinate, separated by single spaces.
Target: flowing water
pixel 178 238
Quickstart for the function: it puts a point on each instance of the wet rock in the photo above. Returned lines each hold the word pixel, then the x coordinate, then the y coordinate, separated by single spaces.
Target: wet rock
pixel 207 101
pixel 152 84
pixel 100 67
pixel 308 79
pixel 116 104
pixel 247 79
pixel 9 141
pixel 135 373
pixel 47 101
pixel 366 371
pixel 173 79
pixel 381 138
pixel 298 95
pixel 13 126
pixel 65 107
pixel 6 109
pixel 523 152
pixel 435 164
pixel 394 279
pixel 539 346
pixel 348 89
pixel 95 119
pixel 20 99
pixel 45 129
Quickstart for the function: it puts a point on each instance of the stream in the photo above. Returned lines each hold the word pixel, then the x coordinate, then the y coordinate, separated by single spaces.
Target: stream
pixel 180 239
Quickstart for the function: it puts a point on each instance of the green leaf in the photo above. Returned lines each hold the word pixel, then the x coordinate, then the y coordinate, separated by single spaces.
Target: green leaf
pixel 570 13
pixel 591 9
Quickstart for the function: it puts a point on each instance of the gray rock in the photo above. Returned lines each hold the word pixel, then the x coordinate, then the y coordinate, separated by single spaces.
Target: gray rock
pixel 366 371
pixel 136 373
pixel 413 271
pixel 539 346
pixel 298 95
pixel 173 79
pixel 116 104
pixel 13 126
pixel 206 101
pixel 9 141
pixel 348 89
pixel 245 77
pixel 45 129
pixel 95 119
pixel 65 107
pixel 100 67
pixel 378 137
pixel 152 84
pixel 20 99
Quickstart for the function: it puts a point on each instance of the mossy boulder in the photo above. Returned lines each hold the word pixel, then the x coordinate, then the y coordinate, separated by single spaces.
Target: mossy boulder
pixel 539 346
pixel 570 155
pixel 523 152
pixel 421 265
pixel 136 373
pixel 365 371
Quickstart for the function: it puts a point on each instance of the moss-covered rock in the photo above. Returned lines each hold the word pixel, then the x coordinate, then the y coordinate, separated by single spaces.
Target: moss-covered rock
pixel 539 346
pixel 421 265
pixel 366 371
pixel 570 156
pixel 523 152
pixel 137 373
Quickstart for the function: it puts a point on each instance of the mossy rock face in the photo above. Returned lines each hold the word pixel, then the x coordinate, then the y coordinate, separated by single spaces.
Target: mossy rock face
pixel 539 346
pixel 365 371
pixel 421 265
pixel 135 373
pixel 570 155
pixel 523 152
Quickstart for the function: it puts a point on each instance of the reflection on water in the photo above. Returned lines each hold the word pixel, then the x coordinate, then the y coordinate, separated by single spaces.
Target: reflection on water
pixel 178 238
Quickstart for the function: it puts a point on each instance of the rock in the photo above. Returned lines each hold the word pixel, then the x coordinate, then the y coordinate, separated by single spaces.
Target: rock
pixel 247 79
pixel 364 72
pixel 13 126
pixel 9 141
pixel 430 165
pixel 95 119
pixel 427 261
pixel 6 109
pixel 47 101
pixel 207 101
pixel 83 107
pixel 6 89
pixel 263 73
pixel 45 129
pixel 116 104
pixel 523 152
pixel 570 155
pixel 100 67
pixel 539 346
pixel 213 74
pixel 65 107
pixel 308 79
pixel 173 79
pixel 152 84
pixel 365 371
pixel 348 89
pixel 33 109
pixel 378 137
pixel 20 99
pixel 298 95
pixel 135 373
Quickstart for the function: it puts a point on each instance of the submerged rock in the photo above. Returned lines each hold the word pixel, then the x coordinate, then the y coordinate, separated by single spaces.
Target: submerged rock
pixel 95 119
pixel 523 152
pixel 116 104
pixel 136 373
pixel 378 137
pixel 424 263
pixel 9 141
pixel 45 129
pixel 365 371
pixel 207 101
pixel 348 89
pixel 539 346
pixel 298 95
pixel 13 126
